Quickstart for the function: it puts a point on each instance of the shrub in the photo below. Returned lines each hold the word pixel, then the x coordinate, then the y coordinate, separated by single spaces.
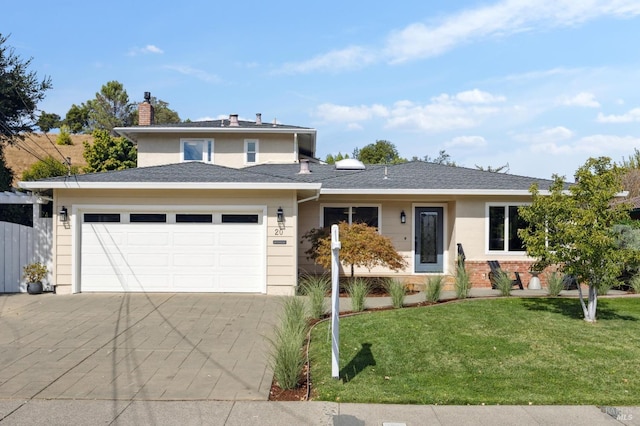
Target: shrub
pixel 358 290
pixel 287 355
pixel 64 138
pixel 34 272
pixel 397 290
pixel 555 283
pixel 315 287
pixel 434 288
pixel 634 283
pixel 463 282
pixel 503 283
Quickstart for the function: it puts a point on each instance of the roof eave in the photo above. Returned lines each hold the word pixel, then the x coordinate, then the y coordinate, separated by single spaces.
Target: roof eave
pixel 490 192
pixel 72 184
pixel 132 132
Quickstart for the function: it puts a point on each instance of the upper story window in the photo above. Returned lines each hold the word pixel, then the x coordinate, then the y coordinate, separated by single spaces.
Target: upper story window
pixel 503 224
pixel 351 214
pixel 197 150
pixel 251 151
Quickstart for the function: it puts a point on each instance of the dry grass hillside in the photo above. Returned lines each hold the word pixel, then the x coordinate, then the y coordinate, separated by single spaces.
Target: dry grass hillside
pixel 18 159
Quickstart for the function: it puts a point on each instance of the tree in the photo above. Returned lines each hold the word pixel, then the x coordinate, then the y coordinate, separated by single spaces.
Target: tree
pixel 330 159
pixel 109 153
pixel 6 174
pixel 574 228
pixel 362 245
pixel 111 108
pixel 77 118
pixel 499 169
pixel 46 168
pixel 64 138
pixel 20 92
pixel 48 121
pixel 380 152
pixel 442 158
pixel 162 114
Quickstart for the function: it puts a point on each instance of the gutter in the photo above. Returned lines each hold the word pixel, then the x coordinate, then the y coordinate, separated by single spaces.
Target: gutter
pixel 314 198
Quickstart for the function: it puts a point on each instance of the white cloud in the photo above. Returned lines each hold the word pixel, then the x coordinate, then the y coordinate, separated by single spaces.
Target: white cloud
pixel 443 112
pixel 628 117
pixel 502 19
pixel 582 99
pixel 149 48
pixel 545 136
pixel 467 142
pixel 199 74
pixel 350 58
pixel 590 146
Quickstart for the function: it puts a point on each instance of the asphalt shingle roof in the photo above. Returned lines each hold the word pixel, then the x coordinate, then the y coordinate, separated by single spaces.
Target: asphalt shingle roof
pixel 416 175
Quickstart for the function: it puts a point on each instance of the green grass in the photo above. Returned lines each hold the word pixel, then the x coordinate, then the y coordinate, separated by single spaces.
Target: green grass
pixel 500 351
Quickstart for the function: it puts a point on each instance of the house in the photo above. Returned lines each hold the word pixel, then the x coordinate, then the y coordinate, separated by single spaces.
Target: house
pixel 220 206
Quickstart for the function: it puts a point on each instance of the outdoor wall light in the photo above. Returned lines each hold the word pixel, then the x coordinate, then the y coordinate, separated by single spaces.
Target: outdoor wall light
pixel 403 217
pixel 64 214
pixel 280 215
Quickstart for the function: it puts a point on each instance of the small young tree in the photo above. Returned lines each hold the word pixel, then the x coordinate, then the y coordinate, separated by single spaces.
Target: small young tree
pixel 362 245
pixel 573 228
pixel 64 137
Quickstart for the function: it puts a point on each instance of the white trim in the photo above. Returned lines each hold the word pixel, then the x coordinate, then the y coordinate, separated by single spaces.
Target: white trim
pixel 208 149
pixel 71 183
pixel 445 241
pixel 255 152
pixel 226 129
pixel 512 192
pixel 77 211
pixel 506 250
pixel 350 205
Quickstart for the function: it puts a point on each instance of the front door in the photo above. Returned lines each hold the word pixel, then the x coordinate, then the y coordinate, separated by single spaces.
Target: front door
pixel 429 239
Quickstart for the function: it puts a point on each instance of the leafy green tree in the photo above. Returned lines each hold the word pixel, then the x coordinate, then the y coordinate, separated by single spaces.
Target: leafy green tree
pixel 380 152
pixel 64 138
pixel 77 118
pixel 6 174
pixel 331 159
pixel 109 153
pixel 499 169
pixel 48 121
pixel 20 92
pixel 46 168
pixel 110 108
pixel 362 245
pixel 574 228
pixel 442 158
pixel 162 114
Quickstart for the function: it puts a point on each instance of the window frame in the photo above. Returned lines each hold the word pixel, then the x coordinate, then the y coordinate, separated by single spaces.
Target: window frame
pixel 350 206
pixel 505 206
pixel 254 152
pixel 207 149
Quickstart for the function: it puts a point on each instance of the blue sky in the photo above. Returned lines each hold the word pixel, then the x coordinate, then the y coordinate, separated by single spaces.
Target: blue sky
pixel 541 86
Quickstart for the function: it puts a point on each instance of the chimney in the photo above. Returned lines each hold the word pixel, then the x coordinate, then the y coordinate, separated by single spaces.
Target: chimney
pixel 258 118
pixel 304 167
pixel 145 111
pixel 233 120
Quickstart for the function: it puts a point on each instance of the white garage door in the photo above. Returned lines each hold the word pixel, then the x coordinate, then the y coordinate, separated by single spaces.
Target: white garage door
pixel 169 252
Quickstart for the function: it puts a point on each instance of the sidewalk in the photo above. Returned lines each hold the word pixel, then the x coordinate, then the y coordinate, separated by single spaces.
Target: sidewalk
pixel 184 413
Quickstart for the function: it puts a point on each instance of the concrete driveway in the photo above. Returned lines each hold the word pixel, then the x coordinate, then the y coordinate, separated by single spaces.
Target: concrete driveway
pixel 136 346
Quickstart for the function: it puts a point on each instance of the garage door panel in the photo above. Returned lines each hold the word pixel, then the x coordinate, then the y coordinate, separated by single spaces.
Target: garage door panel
pixel 122 257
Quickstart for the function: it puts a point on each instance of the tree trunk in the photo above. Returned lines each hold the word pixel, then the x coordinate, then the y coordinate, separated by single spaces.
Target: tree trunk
pixel 589 310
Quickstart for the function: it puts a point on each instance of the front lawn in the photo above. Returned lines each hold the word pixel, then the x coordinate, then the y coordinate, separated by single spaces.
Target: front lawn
pixel 498 351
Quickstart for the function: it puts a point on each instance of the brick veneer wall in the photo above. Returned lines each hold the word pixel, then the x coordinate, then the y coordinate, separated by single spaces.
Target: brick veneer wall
pixel 479 272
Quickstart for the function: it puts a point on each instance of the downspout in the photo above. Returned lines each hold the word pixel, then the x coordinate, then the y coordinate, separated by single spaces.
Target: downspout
pixel 296 154
pixel 314 198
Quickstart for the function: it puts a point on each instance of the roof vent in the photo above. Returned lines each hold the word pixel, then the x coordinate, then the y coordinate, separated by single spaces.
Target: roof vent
pixel 350 164
pixel 258 118
pixel 304 167
pixel 233 120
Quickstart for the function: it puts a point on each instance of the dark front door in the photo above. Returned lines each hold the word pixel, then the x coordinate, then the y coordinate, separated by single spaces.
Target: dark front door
pixel 429 236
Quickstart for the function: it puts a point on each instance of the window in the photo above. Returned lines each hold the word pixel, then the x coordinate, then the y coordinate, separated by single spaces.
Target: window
pixel 101 217
pixel 147 218
pixel 197 150
pixel 193 218
pixel 350 214
pixel 251 150
pixel 503 224
pixel 239 218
